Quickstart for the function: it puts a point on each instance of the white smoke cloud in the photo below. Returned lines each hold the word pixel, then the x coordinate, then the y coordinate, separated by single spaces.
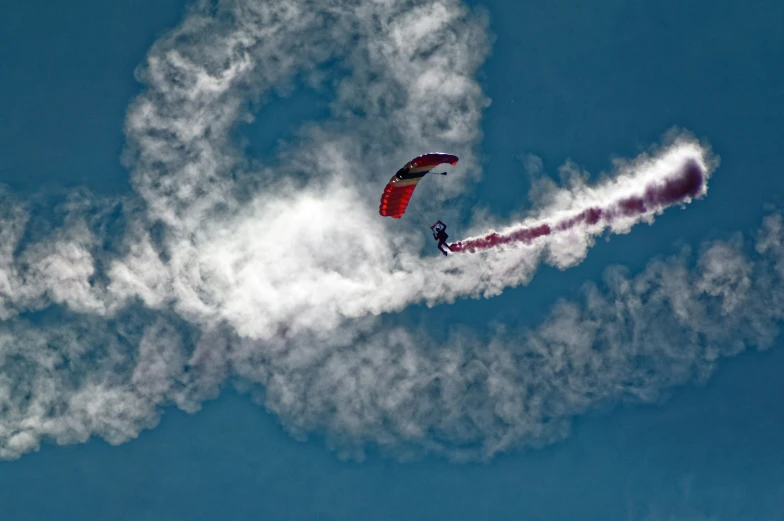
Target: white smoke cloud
pixel 629 340
pixel 281 278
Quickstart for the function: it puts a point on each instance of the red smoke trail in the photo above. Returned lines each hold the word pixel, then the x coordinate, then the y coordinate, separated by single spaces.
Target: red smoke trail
pixel 686 184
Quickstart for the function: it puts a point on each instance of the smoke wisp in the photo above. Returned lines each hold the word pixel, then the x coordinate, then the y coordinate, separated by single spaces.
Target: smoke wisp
pixel 280 278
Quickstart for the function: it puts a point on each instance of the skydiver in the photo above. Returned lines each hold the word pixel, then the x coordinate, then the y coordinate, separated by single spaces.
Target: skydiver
pixel 439 234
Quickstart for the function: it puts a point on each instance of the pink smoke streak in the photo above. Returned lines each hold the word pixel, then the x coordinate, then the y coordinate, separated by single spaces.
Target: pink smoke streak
pixel 687 183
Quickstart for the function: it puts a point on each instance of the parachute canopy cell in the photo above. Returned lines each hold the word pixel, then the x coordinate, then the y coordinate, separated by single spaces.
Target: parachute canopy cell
pixel 399 189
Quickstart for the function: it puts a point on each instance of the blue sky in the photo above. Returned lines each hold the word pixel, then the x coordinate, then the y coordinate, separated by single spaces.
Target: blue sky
pixel 566 82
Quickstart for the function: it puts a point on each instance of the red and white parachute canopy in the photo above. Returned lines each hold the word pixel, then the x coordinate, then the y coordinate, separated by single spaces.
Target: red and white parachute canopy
pixel 399 189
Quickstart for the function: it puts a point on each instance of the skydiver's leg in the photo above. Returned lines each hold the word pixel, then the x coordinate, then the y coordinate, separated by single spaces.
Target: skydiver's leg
pixel 444 243
pixel 441 248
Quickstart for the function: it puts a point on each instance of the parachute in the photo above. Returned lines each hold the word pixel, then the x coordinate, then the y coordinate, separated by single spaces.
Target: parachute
pixel 399 189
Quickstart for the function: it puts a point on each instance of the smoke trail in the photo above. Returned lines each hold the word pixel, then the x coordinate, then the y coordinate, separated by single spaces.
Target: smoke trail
pixel 629 339
pixel 661 185
pixel 276 278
